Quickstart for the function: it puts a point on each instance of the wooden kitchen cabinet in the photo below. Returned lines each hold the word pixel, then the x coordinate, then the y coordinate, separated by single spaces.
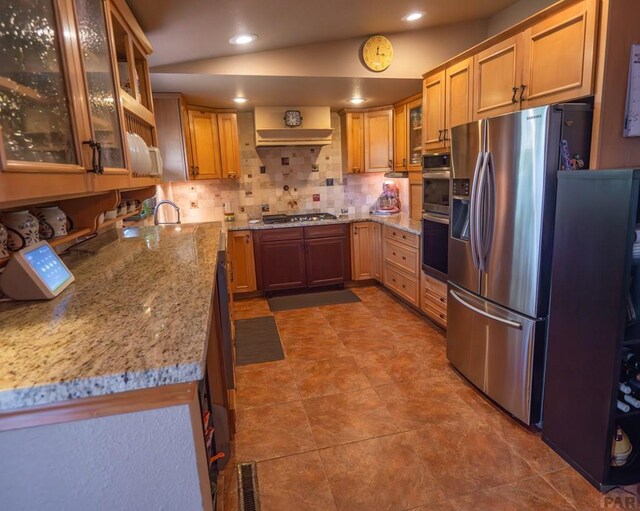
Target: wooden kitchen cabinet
pixel 296 257
pixel 352 124
pixel 559 56
pixel 407 134
pixel 433 116
pixel 447 102
pixel 433 299
pixel 215 149
pixel 378 140
pixel 172 125
pixel 281 262
pixel 367 140
pixel 415 196
pixel 366 260
pixel 549 62
pixel 401 254
pixel 242 275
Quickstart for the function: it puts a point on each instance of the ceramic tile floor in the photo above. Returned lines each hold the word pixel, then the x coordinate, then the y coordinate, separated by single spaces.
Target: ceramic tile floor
pixel 365 413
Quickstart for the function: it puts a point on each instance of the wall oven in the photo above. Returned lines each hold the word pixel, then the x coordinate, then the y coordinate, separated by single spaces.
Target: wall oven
pixel 436 177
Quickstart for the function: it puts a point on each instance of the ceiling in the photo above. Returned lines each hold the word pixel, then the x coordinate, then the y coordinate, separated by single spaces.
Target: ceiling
pixel 192 53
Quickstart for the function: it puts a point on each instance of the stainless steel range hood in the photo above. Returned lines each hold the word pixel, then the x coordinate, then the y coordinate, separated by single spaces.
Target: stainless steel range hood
pixel 314 130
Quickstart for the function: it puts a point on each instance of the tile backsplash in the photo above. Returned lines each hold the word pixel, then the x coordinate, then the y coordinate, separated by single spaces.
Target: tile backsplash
pixel 280 180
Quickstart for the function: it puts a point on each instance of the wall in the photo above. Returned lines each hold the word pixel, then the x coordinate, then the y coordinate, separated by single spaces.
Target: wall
pixel 351 193
pixel 515 13
pixel 142 461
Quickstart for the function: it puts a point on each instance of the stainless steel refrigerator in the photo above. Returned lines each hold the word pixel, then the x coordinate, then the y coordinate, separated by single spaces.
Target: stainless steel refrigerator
pixel 503 194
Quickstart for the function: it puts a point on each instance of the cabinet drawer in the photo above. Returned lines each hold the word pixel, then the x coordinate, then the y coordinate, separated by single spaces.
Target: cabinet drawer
pixel 436 301
pixel 325 231
pixel 436 286
pixel 403 256
pixel 391 233
pixel 292 233
pixel 403 285
pixel 435 314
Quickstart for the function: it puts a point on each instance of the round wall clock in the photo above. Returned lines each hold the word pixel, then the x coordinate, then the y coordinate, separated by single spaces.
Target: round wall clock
pixel 377 53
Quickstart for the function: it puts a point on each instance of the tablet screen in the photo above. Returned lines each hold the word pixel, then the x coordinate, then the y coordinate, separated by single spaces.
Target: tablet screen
pixel 48 266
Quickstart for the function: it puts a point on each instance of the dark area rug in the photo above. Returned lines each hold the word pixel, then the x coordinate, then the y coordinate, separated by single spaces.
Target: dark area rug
pixel 257 340
pixel 302 301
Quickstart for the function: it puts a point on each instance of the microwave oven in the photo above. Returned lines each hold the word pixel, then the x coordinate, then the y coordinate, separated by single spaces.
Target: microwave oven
pixel 436 176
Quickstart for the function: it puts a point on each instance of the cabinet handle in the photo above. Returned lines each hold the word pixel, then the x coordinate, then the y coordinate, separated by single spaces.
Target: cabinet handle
pixel 440 131
pixel 390 163
pixel 96 156
pixel 196 171
pixel 247 237
pixel 404 162
pixel 355 231
pixel 444 132
pixel 522 88
pixel 513 98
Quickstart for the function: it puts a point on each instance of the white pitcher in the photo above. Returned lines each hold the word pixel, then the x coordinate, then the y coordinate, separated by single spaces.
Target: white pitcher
pixel 53 222
pixel 22 229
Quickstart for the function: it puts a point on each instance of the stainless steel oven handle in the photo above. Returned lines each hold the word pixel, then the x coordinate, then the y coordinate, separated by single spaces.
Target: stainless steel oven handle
pixel 508 322
pixel 440 174
pixel 435 218
pixel 472 212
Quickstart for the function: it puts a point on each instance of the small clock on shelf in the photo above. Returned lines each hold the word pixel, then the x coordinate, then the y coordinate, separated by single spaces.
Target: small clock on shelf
pixel 377 53
pixel 292 118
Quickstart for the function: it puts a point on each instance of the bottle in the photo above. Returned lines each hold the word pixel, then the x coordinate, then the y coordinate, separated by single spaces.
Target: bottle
pixel 631 400
pixel 624 388
pixel 623 407
pixel 634 384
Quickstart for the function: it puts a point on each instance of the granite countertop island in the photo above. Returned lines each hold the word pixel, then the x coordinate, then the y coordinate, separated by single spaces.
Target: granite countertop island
pixel 137 316
pixel 400 221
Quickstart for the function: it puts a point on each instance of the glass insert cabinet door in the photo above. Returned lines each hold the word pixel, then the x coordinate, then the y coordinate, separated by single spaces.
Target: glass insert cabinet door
pixel 36 117
pixel 100 81
pixel 415 134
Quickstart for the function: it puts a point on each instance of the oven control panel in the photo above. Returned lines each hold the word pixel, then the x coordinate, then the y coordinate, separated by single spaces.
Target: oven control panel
pixel 461 187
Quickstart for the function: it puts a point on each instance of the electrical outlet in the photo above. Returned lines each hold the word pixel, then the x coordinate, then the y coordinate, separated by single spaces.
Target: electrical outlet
pixel 315 167
pixel 344 211
pixel 194 204
pixel 329 181
pixel 242 210
pixel 316 197
pixel 263 169
pixel 265 208
pixel 284 161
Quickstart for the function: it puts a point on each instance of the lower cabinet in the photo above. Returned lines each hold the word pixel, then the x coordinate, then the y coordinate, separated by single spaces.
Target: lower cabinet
pixel 300 257
pixel 433 299
pixel 366 243
pixel 242 269
pixel 401 258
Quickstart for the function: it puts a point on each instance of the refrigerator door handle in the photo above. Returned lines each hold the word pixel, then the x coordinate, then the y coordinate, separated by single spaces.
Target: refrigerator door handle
pixel 479 223
pixel 508 322
pixel 473 234
pixel 488 226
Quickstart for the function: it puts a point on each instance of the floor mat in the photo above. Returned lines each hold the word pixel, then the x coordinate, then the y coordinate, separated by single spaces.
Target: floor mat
pixel 290 302
pixel 257 340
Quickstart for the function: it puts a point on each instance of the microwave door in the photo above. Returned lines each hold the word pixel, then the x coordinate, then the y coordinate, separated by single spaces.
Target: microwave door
pixel 467 153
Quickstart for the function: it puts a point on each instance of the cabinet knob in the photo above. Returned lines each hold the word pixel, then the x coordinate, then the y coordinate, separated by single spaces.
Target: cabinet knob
pixel 442 299
pixel 394 253
pixel 442 316
pixel 404 258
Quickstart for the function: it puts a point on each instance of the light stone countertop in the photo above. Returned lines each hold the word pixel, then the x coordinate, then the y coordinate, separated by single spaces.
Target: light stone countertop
pixel 137 316
pixel 400 221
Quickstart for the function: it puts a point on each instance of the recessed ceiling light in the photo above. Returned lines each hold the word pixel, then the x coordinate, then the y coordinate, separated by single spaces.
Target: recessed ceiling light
pixel 243 39
pixel 357 101
pixel 413 16
pixel 240 99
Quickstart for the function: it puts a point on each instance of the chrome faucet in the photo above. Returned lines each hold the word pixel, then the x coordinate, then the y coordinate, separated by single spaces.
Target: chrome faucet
pixel 155 212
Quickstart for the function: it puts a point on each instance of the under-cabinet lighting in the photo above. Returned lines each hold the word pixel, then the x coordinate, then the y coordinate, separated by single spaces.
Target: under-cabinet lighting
pixel 243 39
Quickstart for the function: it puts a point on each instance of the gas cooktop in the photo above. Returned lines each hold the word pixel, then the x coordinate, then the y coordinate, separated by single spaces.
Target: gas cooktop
pixel 286 219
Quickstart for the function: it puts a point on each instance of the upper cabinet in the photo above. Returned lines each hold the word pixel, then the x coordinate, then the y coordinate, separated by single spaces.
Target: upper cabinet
pixel 549 62
pixel 559 56
pixel 352 125
pixel 62 124
pixel 446 103
pixel 378 140
pixel 215 149
pixel 367 140
pixel 407 134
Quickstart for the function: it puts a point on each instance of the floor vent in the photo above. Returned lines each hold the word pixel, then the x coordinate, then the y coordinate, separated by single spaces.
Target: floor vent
pixel 248 493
